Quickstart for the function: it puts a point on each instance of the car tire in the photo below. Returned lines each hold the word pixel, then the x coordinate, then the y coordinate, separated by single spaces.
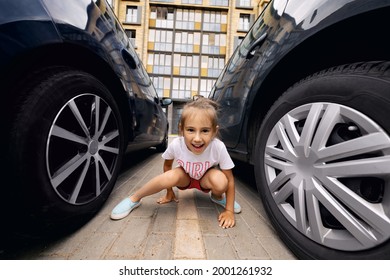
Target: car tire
pixel 65 160
pixel 322 162
pixel 163 145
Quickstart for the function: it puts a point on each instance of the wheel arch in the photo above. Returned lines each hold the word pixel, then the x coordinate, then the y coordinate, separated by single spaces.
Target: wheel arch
pixel 338 44
pixel 68 55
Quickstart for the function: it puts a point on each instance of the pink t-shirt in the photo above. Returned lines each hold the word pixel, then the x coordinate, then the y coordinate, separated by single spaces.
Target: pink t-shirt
pixel 196 165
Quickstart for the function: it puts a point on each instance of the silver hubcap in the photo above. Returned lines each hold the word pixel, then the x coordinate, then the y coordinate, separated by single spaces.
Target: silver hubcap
pixel 328 169
pixel 82 149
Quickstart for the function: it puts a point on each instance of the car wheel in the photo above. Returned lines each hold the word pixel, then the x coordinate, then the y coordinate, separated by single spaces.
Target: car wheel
pixel 67 145
pixel 322 164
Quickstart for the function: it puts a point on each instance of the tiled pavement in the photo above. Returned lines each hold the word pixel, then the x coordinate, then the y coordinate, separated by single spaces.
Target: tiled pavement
pixel 185 230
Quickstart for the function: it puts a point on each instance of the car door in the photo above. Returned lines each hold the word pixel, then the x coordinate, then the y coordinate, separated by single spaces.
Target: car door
pixel 149 113
pixel 231 91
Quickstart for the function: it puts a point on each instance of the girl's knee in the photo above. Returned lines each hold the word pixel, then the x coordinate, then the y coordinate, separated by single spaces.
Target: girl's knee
pixel 218 181
pixel 176 177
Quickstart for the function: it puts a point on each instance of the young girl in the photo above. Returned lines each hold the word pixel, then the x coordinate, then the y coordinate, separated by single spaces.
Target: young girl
pixel 198 153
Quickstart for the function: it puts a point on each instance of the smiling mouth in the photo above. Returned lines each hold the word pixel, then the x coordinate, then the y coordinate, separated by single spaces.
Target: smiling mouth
pixel 197 146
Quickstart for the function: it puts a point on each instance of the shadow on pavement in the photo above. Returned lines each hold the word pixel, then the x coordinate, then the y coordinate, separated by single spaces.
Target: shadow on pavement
pixel 13 246
pixel 245 173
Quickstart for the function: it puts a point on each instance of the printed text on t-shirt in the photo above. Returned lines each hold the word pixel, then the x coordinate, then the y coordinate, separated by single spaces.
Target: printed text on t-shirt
pixel 196 170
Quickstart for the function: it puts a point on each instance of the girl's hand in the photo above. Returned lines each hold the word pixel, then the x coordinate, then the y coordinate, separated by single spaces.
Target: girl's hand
pixel 226 219
pixel 169 196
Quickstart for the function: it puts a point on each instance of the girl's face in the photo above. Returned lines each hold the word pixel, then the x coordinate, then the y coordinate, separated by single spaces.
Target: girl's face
pixel 198 131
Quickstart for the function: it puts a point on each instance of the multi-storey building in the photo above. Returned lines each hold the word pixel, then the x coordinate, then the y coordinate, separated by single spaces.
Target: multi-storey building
pixel 185 44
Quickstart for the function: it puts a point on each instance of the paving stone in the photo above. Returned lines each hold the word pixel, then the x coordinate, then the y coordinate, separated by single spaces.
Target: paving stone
pixel 208 220
pixel 95 246
pixel 276 249
pixel 219 247
pixel 188 241
pixel 131 241
pixel 165 221
pixel 159 246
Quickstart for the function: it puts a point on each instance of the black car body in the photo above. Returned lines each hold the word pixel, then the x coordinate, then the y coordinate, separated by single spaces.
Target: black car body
pixel 75 98
pixel 305 100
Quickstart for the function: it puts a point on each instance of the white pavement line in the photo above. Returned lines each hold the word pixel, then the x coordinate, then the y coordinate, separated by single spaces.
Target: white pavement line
pixel 188 241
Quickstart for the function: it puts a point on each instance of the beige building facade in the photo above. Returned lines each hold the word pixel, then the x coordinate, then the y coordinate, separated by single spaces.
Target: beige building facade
pixel 184 44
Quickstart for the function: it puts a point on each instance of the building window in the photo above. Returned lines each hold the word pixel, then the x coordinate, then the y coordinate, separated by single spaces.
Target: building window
pixel 205 86
pixel 131 34
pixel 161 39
pixel 223 3
pixel 162 85
pixel 212 66
pixel 194 2
pixel 133 14
pixel 215 21
pixel 160 63
pixel 186 65
pixel 161 17
pixel 187 42
pixel 184 88
pixel 188 19
pixel 244 22
pixel 244 3
pixel 213 43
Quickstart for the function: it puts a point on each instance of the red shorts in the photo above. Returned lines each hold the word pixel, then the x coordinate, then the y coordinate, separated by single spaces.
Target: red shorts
pixel 194 184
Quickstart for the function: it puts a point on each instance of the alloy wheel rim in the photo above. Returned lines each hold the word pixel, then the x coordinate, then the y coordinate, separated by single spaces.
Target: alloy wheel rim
pixel 82 149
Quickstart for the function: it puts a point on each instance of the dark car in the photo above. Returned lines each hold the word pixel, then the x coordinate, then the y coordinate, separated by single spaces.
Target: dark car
pixel 75 98
pixel 305 99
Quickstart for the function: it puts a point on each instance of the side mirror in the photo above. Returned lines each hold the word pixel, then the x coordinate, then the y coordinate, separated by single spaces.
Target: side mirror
pixel 166 102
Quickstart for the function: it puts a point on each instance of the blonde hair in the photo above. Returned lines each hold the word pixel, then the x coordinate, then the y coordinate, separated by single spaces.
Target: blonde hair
pixel 209 107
